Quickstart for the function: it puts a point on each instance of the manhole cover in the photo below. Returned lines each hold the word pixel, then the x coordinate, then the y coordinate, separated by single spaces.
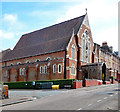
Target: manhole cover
pixel 117 90
pixel 110 93
pixel 103 93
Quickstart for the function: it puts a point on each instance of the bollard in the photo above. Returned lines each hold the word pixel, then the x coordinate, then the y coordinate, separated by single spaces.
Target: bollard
pixel 5 92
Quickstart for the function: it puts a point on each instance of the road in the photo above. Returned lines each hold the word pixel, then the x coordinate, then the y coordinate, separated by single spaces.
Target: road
pixel 104 97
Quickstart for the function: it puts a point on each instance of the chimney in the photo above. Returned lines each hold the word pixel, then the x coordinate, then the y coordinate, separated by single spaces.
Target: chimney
pixel 111 47
pixel 104 43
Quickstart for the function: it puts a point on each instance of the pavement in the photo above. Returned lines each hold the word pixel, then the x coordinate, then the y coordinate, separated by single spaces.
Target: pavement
pixel 20 96
pixel 11 101
pixel 50 99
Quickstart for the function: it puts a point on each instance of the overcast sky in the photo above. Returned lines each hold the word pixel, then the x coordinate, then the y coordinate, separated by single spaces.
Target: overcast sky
pixel 22 17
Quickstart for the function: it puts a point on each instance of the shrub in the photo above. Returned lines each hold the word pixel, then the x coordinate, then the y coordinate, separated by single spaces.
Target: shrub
pixel 29 84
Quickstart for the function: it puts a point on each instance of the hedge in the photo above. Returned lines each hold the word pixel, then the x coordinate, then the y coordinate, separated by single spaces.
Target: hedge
pixel 29 84
pixel 19 85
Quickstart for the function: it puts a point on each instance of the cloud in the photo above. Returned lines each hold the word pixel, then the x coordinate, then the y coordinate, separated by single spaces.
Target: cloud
pixel 6 35
pixel 10 17
pixel 110 35
pixel 97 10
pixel 102 16
pixel 11 26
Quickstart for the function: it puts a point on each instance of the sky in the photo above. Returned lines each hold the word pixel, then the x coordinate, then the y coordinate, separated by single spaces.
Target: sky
pixel 18 18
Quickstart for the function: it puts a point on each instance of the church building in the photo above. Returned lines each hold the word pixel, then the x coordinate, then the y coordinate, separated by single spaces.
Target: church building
pixel 54 52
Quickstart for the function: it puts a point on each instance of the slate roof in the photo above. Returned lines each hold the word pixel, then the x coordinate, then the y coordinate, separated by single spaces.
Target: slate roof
pixel 47 40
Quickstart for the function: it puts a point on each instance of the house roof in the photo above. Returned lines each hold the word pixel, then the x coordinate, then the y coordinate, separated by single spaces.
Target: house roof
pixel 50 39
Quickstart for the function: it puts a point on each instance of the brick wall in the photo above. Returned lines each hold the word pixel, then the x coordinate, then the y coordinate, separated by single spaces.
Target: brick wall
pixel 33 73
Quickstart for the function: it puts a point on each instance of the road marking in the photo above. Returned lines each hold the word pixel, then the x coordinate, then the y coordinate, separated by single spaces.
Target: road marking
pixel 105 98
pixel 98 100
pixel 111 95
pixel 89 104
pixel 79 109
pixel 116 93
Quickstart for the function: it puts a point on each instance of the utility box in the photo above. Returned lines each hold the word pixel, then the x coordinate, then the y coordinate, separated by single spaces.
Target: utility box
pixel 44 85
pixel 55 86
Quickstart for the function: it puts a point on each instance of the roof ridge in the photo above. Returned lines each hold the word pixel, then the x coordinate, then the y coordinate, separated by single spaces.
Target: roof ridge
pixel 53 25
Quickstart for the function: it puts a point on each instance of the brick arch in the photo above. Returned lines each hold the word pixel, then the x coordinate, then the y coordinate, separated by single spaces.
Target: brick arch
pixel 31 74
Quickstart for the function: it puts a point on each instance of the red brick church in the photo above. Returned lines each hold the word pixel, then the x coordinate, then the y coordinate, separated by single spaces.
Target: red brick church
pixel 54 52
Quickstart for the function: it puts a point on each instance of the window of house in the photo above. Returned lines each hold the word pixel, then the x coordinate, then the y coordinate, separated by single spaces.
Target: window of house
pixel 37 60
pixel 82 48
pixel 27 61
pixel 45 69
pixel 11 64
pixel 89 52
pixel 86 34
pixel 6 73
pixel 41 69
pixel 54 68
pixel 73 51
pixel 23 71
pixel 18 63
pixel 5 63
pixel 48 58
pixel 96 59
pixel 73 69
pixel 20 71
pixel 59 68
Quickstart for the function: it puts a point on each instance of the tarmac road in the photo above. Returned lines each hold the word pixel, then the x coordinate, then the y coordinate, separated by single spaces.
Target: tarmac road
pixel 104 97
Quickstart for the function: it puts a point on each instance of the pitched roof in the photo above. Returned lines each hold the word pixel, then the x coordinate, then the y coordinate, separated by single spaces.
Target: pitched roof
pixel 50 39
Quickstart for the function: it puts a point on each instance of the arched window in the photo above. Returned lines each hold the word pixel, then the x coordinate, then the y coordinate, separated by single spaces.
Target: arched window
pixel 59 68
pixel 73 51
pixel 41 69
pixel 37 60
pixel 86 33
pixel 27 61
pixel 18 63
pixel 45 69
pixel 54 68
pixel 89 52
pixel 11 64
pixel 5 73
pixel 20 71
pixel 73 69
pixel 23 71
pixel 48 58
pixel 83 48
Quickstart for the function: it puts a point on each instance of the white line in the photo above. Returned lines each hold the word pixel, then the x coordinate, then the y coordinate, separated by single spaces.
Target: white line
pixel 105 98
pixel 111 95
pixel 89 104
pixel 79 109
pixel 98 100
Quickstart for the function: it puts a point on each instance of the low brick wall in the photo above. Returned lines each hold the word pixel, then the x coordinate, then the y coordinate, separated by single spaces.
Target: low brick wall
pixel 113 81
pixel 77 84
pixel 91 82
pixel 107 82
pixel 100 82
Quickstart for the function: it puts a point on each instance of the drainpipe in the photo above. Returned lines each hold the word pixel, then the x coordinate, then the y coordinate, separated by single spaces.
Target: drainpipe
pixel 65 65
pixel 78 55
